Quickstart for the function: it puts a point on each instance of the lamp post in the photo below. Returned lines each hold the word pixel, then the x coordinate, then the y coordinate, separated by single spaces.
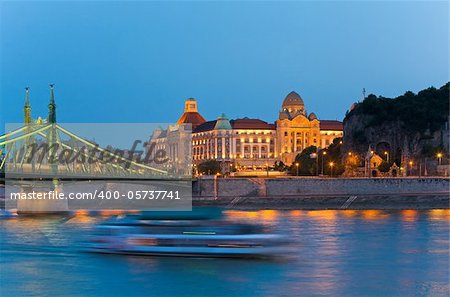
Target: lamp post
pixel 387 156
pixel 296 165
pixel 317 162
pixel 331 169
pixel 410 167
pixel 439 156
pixel 323 154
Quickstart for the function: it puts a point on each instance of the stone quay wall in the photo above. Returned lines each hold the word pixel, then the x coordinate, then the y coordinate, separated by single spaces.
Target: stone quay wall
pixel 305 186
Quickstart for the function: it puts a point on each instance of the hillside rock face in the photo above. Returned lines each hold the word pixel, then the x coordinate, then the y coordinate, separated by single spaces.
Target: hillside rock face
pixel 407 127
pixel 390 137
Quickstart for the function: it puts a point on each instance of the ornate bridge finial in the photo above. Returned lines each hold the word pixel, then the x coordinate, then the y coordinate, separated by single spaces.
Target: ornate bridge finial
pixel 27 107
pixel 52 106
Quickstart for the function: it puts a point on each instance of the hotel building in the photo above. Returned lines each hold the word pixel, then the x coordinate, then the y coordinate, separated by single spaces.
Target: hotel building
pixel 251 143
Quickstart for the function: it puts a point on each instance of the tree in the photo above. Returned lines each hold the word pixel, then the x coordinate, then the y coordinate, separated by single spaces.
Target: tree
pixel 384 166
pixel 333 154
pixel 307 165
pixel 426 110
pixel 209 167
pixel 279 166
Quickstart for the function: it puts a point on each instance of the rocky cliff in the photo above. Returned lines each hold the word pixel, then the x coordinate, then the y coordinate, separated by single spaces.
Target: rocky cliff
pixel 409 126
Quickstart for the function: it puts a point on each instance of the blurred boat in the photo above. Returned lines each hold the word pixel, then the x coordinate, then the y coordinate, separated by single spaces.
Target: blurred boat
pixel 199 233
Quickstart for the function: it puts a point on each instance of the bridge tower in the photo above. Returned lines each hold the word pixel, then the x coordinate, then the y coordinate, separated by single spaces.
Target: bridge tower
pixel 52 137
pixel 52 106
pixel 27 108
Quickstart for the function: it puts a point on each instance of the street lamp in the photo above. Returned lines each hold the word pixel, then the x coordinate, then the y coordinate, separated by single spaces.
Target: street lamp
pixel 410 167
pixel 315 155
pixel 296 165
pixel 439 156
pixel 387 156
pixel 331 169
pixel 323 154
pixel 195 170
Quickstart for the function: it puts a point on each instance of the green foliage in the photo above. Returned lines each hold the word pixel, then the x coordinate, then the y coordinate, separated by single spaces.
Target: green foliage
pixel 209 167
pixel 429 109
pixel 333 155
pixel 384 166
pixel 307 165
pixel 279 166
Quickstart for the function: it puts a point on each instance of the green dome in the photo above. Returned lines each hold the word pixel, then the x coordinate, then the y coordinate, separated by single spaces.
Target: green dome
pixel 222 123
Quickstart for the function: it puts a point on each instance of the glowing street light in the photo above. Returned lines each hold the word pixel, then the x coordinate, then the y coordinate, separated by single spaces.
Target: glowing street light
pixel 387 156
pixel 315 155
pixel 439 156
pixel 323 154
pixel 296 165
pixel 331 168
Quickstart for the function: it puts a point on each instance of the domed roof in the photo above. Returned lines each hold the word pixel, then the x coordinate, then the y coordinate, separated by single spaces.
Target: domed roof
pixel 193 118
pixel 312 116
pixel 191 115
pixel 222 123
pixel 293 99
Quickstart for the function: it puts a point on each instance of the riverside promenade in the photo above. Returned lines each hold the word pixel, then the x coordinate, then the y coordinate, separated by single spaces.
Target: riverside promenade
pixel 323 193
pixel 319 193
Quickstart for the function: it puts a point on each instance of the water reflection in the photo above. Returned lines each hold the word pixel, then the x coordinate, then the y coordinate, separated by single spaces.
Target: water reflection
pixel 439 214
pixel 337 253
pixel 374 214
pixel 409 215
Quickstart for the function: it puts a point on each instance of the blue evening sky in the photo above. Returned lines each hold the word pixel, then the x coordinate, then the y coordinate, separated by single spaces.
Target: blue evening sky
pixel 139 61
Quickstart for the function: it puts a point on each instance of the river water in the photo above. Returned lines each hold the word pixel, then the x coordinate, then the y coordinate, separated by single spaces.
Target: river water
pixel 338 253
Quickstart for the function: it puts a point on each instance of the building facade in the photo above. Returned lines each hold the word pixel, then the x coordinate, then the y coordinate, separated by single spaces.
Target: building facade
pixel 249 143
pixel 297 130
pixel 244 143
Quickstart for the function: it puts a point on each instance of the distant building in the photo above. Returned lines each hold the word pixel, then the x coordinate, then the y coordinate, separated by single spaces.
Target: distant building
pixel 245 143
pixel 191 115
pixel 330 130
pixel 296 129
pixel 248 143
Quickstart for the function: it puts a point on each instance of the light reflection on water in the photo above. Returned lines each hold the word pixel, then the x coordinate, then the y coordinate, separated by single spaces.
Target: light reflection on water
pixel 337 253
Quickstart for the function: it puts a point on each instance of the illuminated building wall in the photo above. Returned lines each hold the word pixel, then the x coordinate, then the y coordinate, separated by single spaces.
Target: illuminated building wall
pixel 252 143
